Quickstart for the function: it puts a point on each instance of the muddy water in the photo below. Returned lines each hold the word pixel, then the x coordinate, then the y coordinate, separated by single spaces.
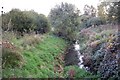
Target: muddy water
pixel 71 56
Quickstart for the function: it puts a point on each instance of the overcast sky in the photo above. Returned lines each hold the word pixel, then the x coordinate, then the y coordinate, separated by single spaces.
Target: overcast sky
pixel 42 6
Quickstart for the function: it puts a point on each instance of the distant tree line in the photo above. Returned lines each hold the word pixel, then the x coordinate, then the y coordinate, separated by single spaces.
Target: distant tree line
pixel 65 19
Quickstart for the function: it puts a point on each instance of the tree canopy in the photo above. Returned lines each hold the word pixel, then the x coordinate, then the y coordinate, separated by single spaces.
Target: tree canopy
pixel 25 21
pixel 64 18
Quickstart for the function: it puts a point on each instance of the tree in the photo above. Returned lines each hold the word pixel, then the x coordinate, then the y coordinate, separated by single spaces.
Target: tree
pixel 42 24
pixel 40 21
pixel 102 12
pixel 20 21
pixel 89 10
pixel 64 18
pixel 89 17
pixel 25 21
pixel 110 10
pixel 114 12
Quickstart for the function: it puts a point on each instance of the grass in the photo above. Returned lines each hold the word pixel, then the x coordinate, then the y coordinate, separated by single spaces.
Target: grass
pixel 43 58
pixel 79 73
pixel 39 59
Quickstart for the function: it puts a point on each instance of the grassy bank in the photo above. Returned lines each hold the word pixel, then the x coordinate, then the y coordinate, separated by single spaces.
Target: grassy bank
pixel 39 59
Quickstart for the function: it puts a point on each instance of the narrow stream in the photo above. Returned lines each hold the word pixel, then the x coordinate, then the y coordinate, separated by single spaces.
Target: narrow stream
pixel 80 56
pixel 73 56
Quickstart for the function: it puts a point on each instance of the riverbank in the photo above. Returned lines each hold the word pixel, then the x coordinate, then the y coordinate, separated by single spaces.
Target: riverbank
pixel 39 56
pixel 41 60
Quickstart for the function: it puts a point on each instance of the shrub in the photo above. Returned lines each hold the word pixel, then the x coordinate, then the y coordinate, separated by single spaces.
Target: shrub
pixel 109 65
pixel 11 56
pixel 94 21
pixel 25 21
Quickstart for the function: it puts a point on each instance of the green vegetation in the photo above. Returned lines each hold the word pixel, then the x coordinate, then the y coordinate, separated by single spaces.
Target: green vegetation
pixel 97 44
pixel 78 73
pixel 34 46
pixel 39 59
pixel 25 22
pixel 65 20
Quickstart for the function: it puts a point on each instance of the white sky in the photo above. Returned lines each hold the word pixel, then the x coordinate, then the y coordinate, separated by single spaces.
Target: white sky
pixel 42 6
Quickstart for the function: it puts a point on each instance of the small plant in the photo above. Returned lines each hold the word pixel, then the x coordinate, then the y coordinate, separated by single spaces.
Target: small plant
pixel 76 72
pixel 30 40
